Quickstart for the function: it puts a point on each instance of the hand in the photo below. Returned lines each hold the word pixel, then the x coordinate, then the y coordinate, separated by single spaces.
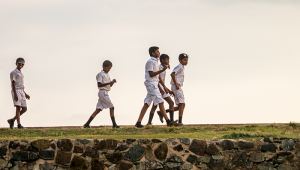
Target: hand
pixel 166 90
pixel 114 80
pixel 165 67
pixel 177 87
pixel 16 98
pixel 171 93
pixel 111 83
pixel 27 96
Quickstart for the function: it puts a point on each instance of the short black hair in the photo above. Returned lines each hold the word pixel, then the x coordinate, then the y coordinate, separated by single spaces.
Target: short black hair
pixel 182 56
pixel 19 59
pixel 107 63
pixel 163 56
pixel 152 50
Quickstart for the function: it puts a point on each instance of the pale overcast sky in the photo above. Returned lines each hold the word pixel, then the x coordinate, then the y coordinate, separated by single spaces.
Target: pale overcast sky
pixel 243 66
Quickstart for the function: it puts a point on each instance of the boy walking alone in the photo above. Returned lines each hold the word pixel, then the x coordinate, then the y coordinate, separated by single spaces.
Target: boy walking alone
pixel 177 83
pixel 18 94
pixel 104 84
pixel 153 94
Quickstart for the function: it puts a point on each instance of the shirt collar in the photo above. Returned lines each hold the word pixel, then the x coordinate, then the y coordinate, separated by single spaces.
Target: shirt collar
pixel 181 65
pixel 18 70
pixel 153 58
pixel 103 71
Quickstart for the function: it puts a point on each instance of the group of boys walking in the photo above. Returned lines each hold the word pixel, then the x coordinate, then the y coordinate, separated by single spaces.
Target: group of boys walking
pixel 157 91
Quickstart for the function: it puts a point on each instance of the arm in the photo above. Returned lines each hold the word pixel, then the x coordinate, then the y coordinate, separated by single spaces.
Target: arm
pixel 163 84
pixel 161 91
pixel 105 84
pixel 152 74
pixel 174 80
pixel 14 90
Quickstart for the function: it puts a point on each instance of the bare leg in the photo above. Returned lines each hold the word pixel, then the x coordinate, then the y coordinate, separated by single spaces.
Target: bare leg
pixel 143 111
pixel 170 102
pixel 176 108
pixel 112 112
pixel 96 112
pixel 181 109
pixel 23 110
pixel 153 109
pixel 18 114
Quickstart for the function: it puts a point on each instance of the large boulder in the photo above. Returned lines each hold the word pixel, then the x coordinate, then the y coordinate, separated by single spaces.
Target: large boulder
pixel 65 144
pixel 135 153
pixel 198 147
pixel 227 145
pixel 115 157
pixel 46 154
pixel 245 145
pixel 20 156
pixel 161 151
pixel 107 144
pixel 91 152
pixel 96 164
pixel 269 147
pixel 287 145
pixel 79 163
pixel 212 150
pixel 63 157
pixel 41 144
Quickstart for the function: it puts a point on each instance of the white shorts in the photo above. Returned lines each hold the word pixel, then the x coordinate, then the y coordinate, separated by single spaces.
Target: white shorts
pixel 21 98
pixel 178 95
pixel 153 94
pixel 165 95
pixel 104 100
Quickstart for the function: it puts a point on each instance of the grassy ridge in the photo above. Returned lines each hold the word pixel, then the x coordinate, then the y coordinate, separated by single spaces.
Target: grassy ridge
pixel 201 132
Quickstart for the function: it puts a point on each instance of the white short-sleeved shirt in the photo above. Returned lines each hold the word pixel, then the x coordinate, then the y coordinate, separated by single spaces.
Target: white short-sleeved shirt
pixel 179 75
pixel 18 77
pixel 162 74
pixel 103 78
pixel 152 65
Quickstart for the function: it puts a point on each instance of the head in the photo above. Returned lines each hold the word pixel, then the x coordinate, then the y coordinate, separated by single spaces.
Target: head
pixel 107 65
pixel 20 62
pixel 154 51
pixel 183 59
pixel 164 59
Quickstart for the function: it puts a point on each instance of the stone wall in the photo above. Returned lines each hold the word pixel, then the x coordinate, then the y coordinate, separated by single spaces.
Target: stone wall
pixel 139 154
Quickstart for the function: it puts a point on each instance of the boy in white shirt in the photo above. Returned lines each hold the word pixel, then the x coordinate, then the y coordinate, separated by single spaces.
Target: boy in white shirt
pixel 153 94
pixel 177 83
pixel 18 94
pixel 164 60
pixel 104 85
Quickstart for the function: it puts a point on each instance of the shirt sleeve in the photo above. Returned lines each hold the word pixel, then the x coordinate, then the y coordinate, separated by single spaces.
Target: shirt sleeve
pixel 13 76
pixel 99 78
pixel 149 66
pixel 177 69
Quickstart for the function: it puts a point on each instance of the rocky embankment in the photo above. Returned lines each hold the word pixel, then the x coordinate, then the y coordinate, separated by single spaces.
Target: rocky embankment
pixel 140 154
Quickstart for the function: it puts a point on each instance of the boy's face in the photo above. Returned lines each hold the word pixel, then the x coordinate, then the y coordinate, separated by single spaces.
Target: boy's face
pixel 165 61
pixel 107 69
pixel 184 61
pixel 20 64
pixel 156 54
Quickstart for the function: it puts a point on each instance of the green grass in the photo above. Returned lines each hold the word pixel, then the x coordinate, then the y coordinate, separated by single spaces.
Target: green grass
pixel 160 132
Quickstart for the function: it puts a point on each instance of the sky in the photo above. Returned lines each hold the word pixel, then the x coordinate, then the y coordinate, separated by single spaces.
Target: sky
pixel 244 58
